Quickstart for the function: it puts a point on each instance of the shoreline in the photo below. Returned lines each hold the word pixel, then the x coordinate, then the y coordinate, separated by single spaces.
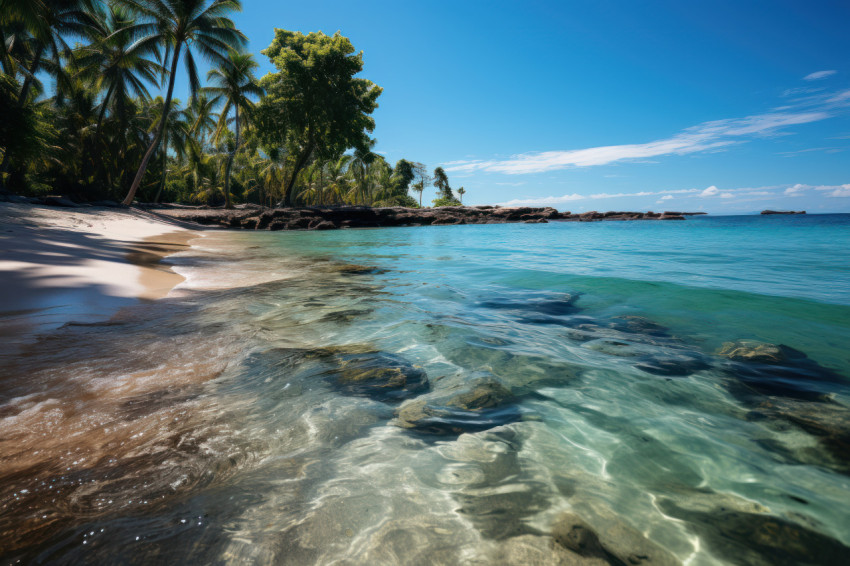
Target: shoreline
pixel 59 265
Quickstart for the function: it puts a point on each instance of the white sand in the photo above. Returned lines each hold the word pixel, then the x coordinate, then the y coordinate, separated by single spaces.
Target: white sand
pixel 59 264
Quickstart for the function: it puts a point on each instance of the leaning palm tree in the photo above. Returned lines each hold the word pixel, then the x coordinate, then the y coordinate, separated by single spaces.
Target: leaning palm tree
pixel 461 191
pixel 178 24
pixel 233 83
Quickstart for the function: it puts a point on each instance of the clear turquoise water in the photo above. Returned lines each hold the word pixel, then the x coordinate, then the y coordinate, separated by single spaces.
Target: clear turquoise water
pixel 221 430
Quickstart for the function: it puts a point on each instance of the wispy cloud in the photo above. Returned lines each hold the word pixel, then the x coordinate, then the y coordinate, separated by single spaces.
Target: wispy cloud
pixel 834 190
pixel 712 192
pixel 709 136
pixel 818 75
pixel 548 201
pixel 705 137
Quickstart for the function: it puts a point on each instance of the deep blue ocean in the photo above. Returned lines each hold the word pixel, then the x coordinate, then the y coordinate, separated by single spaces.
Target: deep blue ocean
pixel 613 392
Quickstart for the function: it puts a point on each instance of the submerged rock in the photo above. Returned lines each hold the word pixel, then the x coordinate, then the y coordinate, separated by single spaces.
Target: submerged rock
pixel 678 364
pixel 828 422
pixel 481 407
pixel 616 543
pixel 761 369
pixel 762 352
pixel 754 538
pixel 384 377
pixel 545 310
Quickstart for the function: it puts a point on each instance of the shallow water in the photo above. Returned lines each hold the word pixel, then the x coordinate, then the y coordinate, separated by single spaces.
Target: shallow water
pixel 464 394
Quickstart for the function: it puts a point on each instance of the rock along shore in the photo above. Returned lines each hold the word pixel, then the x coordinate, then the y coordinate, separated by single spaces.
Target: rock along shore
pixel 253 217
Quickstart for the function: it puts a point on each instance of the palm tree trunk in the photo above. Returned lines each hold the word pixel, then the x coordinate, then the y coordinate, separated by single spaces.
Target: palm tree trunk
pixel 227 204
pixel 164 171
pixel 155 143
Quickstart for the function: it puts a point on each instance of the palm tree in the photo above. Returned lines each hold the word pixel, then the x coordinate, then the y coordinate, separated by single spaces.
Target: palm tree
pixel 198 24
pixel 441 181
pixel 418 187
pixel 234 82
pixel 48 24
pixel 202 117
pixel 461 191
pixel 175 135
pixel 118 64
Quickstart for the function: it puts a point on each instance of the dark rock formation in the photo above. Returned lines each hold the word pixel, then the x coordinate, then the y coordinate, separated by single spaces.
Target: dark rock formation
pixel 333 217
pixel 769 369
pixel 758 538
pixel 384 377
pixel 482 406
pixel 617 543
pixel 783 211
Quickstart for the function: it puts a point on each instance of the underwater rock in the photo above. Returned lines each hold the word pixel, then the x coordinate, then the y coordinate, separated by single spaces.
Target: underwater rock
pixel 778 370
pixel 354 269
pixel 475 409
pixel 828 422
pixel 754 538
pixel 545 310
pixel 617 543
pixel 679 364
pixel 536 550
pixel 384 377
pixel 762 352
pixel 633 324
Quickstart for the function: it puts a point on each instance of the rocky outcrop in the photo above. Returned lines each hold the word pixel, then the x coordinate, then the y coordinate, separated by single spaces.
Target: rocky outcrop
pixel 783 211
pixel 334 217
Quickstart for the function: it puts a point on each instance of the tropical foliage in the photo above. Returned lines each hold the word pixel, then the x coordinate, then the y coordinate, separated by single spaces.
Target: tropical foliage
pixel 110 125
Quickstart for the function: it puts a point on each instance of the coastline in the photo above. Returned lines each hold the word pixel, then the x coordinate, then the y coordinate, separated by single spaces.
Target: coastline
pixel 59 265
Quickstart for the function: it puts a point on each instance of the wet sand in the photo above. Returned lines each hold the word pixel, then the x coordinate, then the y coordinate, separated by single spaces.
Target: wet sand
pixel 81 265
pixel 156 278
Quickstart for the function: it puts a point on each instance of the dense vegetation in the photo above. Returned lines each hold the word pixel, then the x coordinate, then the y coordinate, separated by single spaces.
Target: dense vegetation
pixel 300 135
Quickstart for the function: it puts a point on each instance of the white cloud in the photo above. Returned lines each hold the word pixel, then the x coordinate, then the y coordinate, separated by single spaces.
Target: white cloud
pixel 840 97
pixel 548 201
pixel 841 191
pixel 819 75
pixel 713 136
pixel 712 191
pixel 705 137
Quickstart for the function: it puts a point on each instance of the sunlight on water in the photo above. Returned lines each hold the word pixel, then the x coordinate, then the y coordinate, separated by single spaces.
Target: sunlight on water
pixel 473 394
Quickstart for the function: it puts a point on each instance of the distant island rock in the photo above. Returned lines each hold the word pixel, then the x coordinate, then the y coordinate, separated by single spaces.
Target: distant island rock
pixel 783 211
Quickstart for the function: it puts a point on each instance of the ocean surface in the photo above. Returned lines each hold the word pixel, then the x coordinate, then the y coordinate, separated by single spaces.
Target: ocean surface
pixel 516 394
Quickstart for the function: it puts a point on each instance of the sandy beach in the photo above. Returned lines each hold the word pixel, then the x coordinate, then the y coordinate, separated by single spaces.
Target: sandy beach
pixel 59 265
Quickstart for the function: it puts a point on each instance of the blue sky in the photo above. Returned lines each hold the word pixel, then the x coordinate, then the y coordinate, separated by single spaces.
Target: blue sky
pixel 722 106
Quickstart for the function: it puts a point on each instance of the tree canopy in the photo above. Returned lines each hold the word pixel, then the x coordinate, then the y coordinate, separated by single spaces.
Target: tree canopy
pixel 314 104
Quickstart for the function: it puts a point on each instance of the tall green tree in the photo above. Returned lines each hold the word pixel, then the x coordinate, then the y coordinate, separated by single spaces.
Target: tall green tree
pixel 233 85
pixel 183 26
pixel 441 181
pixel 461 191
pixel 314 105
